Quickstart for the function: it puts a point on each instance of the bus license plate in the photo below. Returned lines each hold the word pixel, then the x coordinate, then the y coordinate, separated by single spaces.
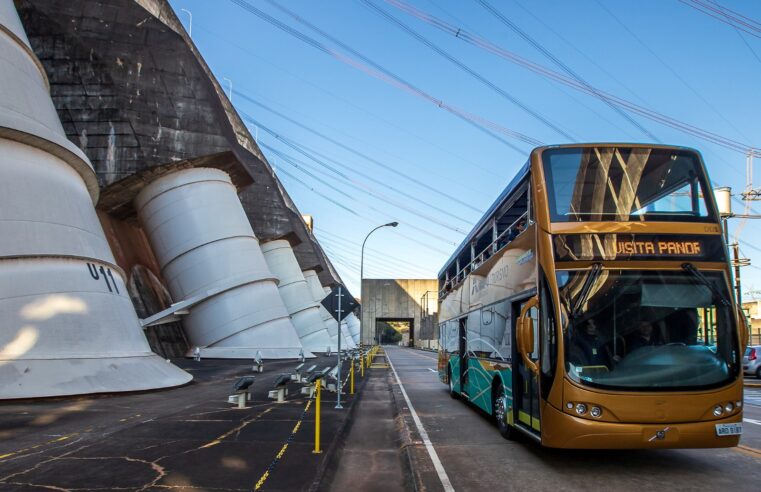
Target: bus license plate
pixel 729 429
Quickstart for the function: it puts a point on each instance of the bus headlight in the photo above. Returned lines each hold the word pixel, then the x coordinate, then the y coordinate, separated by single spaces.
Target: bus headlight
pixel 717 410
pixel 595 412
pixel 738 404
pixel 729 407
pixel 581 408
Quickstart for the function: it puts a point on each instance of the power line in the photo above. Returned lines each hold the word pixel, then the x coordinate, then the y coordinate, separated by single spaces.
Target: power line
pixel 363 217
pixel 300 165
pixel 483 43
pixel 668 67
pixel 727 16
pixel 362 155
pixel 468 70
pixel 367 189
pixel 405 131
pixel 355 250
pixel 742 38
pixel 426 233
pixel 377 71
pixel 496 13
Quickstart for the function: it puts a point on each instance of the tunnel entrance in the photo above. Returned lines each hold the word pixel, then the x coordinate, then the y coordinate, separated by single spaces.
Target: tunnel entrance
pixel 395 331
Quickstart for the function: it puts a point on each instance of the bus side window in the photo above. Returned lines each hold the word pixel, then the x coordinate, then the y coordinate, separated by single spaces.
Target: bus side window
pixel 453 334
pixel 502 331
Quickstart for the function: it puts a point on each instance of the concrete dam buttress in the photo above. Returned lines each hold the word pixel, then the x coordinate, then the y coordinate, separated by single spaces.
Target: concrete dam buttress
pixel 207 249
pixel 68 325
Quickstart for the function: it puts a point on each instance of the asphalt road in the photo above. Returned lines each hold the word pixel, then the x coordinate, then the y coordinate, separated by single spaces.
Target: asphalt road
pixel 187 438
pixel 473 456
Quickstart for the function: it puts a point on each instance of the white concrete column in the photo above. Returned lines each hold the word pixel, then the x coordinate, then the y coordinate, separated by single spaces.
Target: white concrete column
pixel 297 296
pixel 208 252
pixel 330 322
pixel 67 324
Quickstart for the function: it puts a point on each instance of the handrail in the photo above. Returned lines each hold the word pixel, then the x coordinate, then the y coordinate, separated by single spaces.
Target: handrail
pixel 478 260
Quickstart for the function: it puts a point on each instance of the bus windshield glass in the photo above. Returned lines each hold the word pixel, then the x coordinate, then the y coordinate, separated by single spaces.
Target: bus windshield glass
pixel 625 184
pixel 648 330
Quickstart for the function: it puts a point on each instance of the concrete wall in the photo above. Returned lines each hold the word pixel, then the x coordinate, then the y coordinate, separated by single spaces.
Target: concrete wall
pixel 398 299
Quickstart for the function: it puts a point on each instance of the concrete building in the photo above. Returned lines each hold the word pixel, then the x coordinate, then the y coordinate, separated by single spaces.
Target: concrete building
pixel 405 305
pixel 753 312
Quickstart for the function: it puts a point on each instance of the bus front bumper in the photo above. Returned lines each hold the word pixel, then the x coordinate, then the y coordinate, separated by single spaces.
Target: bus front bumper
pixel 560 430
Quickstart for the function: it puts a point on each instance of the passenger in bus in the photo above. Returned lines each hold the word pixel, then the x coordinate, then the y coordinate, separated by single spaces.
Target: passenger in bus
pixel 644 337
pixel 517 230
pixel 589 348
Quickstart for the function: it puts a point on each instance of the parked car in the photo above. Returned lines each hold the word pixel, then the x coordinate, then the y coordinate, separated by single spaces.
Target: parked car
pixel 752 361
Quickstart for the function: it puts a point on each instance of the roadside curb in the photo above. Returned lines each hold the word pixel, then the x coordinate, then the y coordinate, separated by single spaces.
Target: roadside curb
pixel 752 385
pixel 420 471
pixel 405 432
pixel 326 470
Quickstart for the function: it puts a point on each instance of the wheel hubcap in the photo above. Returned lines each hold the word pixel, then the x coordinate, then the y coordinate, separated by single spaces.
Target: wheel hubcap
pixel 499 408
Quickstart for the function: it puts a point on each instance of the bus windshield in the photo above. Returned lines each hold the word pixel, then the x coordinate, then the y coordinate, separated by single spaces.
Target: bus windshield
pixel 625 184
pixel 648 330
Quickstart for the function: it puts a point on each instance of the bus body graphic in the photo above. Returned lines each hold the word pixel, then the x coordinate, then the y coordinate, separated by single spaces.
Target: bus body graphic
pixel 591 305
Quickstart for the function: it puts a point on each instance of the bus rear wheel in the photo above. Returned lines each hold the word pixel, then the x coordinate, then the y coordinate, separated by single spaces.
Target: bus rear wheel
pixel 452 392
pixel 499 412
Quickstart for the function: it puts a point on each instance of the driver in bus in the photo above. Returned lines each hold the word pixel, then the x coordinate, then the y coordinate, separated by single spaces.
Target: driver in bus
pixel 590 348
pixel 644 337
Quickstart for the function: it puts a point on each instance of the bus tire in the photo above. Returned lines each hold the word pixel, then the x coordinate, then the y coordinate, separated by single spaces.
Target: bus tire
pixel 452 392
pixel 499 412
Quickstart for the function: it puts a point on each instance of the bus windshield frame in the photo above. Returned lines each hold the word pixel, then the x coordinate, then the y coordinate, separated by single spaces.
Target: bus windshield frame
pixel 626 183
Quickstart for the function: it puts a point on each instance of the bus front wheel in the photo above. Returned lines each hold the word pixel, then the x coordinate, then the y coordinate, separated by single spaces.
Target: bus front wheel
pixel 500 413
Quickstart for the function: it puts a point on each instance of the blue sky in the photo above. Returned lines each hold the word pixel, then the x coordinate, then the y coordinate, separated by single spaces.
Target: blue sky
pixel 660 54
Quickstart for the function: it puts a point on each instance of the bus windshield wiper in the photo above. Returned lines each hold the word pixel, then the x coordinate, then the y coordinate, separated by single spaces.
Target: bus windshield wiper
pixel 593 274
pixel 689 267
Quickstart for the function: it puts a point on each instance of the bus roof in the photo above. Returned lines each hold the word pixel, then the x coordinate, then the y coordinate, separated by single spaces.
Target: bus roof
pixel 522 173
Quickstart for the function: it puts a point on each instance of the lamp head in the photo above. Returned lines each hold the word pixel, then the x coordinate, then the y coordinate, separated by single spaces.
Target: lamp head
pixel 393 224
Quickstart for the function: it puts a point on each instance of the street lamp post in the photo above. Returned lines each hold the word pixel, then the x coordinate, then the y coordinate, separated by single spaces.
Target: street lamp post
pixel 362 271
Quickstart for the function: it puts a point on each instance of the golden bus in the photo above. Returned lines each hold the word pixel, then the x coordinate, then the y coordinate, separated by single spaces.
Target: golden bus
pixel 591 305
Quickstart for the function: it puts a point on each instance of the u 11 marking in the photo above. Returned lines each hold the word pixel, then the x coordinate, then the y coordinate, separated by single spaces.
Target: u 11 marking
pixel 97 272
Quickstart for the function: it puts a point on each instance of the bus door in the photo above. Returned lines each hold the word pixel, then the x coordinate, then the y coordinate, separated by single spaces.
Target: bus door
pixel 525 380
pixel 463 352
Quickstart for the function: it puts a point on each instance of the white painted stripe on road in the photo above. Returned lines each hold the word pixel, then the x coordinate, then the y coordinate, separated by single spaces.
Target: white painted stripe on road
pixel 432 370
pixel 423 435
pixel 752 421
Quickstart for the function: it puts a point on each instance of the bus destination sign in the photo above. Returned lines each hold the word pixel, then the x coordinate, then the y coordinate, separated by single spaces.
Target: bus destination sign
pixel 659 248
pixel 586 247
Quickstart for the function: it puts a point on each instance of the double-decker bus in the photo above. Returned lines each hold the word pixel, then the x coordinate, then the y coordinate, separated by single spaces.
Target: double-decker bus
pixel 591 305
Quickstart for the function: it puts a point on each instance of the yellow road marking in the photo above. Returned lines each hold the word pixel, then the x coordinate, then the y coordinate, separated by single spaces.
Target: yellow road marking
pixel 280 453
pixel 756 453
pixel 19 451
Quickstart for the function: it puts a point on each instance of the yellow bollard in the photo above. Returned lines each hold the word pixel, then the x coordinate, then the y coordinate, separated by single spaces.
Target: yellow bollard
pixel 351 379
pixel 317 418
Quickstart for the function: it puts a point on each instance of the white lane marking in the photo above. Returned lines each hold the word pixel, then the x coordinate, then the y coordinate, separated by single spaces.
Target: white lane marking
pixel 424 435
pixel 752 421
pixel 432 370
